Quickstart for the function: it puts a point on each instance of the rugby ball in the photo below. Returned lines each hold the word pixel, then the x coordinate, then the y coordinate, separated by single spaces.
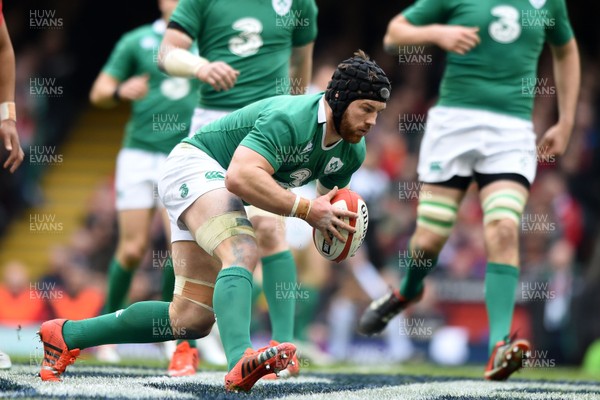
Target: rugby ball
pixel 337 251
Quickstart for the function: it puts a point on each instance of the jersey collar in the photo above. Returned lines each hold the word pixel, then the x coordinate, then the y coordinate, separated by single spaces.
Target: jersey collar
pixel 322 119
pixel 321 116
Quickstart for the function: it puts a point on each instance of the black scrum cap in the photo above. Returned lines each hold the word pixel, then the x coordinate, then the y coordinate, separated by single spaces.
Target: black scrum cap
pixel 355 78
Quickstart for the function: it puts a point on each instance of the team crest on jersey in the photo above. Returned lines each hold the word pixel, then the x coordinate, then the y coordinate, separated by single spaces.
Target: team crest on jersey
pixel 282 7
pixel 537 4
pixel 334 165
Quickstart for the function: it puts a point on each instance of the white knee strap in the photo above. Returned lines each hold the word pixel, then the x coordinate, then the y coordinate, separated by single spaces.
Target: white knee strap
pixel 503 204
pixel 437 214
pixel 197 291
pixel 221 227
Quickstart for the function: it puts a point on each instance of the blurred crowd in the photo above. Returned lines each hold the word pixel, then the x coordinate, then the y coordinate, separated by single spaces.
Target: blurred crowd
pixel 560 243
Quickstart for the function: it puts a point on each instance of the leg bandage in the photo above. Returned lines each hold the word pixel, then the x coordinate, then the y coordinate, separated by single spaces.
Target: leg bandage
pixel 215 230
pixel 196 291
pixel 437 214
pixel 503 204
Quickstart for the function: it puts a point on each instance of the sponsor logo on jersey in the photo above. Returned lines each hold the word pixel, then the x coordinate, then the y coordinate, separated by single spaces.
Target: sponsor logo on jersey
pixel 507 26
pixel 334 165
pixel 537 4
pixel 248 41
pixel 183 190
pixel 214 175
pixel 282 7
pixel 300 176
pixel 175 88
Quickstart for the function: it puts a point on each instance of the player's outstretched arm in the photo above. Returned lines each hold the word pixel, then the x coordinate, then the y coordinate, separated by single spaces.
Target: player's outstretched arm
pixel 301 68
pixel 453 38
pixel 108 91
pixel 175 59
pixel 8 115
pixel 249 176
pixel 567 75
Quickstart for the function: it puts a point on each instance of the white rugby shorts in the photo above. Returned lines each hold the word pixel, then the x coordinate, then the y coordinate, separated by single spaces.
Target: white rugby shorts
pixel 136 179
pixel 187 174
pixel 202 117
pixel 460 141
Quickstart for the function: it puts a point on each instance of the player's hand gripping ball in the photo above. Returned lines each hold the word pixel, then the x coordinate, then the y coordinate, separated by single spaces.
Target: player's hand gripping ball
pixel 338 251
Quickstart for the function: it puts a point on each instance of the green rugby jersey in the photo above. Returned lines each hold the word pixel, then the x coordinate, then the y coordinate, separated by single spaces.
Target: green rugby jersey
pixel 253 36
pixel 288 131
pixel 499 74
pixel 162 118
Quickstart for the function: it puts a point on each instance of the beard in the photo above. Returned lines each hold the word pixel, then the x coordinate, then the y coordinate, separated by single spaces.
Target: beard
pixel 348 132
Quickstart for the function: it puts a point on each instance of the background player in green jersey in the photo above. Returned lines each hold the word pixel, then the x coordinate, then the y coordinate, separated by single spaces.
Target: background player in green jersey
pixel 162 108
pixel 203 183
pixel 481 129
pixel 253 50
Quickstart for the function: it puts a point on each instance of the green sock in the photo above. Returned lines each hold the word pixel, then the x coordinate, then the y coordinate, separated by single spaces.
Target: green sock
pixel 306 310
pixel 501 281
pixel 417 264
pixel 143 322
pixel 280 288
pixel 119 280
pixel 256 291
pixel 256 324
pixel 233 309
pixel 168 280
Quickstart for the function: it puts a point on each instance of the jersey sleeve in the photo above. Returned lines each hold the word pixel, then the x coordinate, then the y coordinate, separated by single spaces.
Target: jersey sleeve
pixel 560 32
pixel 121 64
pixel 1 14
pixel 426 12
pixel 268 136
pixel 330 181
pixel 188 15
pixel 306 32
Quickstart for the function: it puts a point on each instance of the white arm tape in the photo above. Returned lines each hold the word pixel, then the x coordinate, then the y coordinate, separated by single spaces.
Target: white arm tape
pixel 295 207
pixel 180 62
pixel 8 111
